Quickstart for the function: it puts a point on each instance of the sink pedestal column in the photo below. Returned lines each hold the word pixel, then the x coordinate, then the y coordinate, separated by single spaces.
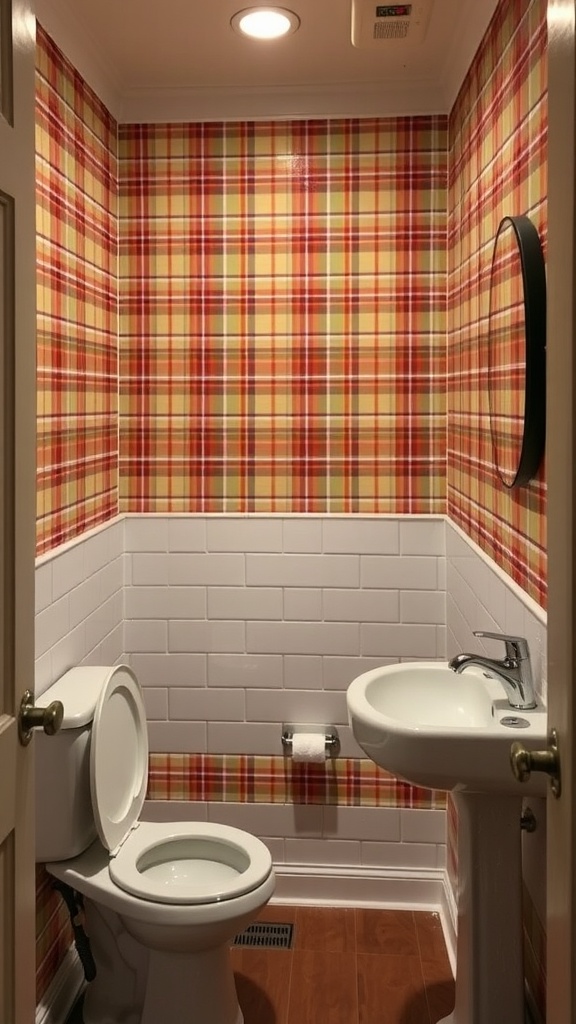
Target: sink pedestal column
pixel 489 960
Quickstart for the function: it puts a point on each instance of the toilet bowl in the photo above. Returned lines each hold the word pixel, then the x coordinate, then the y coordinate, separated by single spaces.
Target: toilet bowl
pixel 166 898
pixel 192 863
pixel 181 947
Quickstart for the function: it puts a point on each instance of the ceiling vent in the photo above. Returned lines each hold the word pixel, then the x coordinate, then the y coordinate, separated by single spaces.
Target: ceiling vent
pixel 376 24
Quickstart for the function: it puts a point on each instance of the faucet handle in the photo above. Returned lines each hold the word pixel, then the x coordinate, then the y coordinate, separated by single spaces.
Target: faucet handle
pixel 516 646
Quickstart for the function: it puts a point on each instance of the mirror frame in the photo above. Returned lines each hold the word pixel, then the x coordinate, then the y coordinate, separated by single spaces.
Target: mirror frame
pixel 534 294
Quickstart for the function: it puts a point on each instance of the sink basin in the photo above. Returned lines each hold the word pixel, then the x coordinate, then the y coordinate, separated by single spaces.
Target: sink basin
pixel 442 730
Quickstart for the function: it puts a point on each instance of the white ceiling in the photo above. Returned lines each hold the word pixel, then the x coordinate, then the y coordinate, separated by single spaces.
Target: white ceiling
pixel 156 60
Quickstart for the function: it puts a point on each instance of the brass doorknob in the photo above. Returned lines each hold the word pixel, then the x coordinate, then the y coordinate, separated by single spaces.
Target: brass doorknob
pixel 30 717
pixel 524 762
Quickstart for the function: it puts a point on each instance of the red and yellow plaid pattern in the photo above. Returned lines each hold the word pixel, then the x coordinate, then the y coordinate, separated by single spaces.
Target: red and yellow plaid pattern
pixel 452 843
pixel 53 931
pixel 242 778
pixel 534 952
pixel 76 174
pixel 498 135
pixel 282 296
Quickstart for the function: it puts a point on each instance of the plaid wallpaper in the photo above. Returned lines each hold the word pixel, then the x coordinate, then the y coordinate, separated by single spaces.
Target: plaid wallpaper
pixel 53 931
pixel 497 168
pixel 282 297
pixel 76 142
pixel 238 778
pixel 534 948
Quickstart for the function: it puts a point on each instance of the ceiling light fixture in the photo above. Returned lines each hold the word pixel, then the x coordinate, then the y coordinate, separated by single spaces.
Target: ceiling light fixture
pixel 265 22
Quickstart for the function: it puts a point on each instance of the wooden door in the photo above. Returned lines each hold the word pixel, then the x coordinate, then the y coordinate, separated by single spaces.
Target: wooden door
pixel 17 504
pixel 561 454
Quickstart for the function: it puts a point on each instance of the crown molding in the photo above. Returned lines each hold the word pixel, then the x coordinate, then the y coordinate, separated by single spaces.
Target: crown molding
pixel 62 23
pixel 413 96
pixel 283 102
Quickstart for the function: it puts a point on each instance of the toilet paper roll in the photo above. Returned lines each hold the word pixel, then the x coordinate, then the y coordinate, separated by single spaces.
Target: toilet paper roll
pixel 309 746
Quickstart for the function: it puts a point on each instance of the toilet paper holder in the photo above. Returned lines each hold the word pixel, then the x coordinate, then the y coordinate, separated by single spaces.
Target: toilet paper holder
pixel 330 733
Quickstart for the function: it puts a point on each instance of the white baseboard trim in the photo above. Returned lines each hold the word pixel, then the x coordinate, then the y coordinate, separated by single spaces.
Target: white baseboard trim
pixel 62 991
pixel 449 919
pixel 380 888
pixel 402 888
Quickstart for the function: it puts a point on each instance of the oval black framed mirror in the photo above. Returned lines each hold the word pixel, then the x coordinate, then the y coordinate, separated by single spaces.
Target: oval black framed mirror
pixel 517 351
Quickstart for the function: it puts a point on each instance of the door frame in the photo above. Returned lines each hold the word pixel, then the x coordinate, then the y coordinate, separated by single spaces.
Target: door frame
pixel 17 514
pixel 561 511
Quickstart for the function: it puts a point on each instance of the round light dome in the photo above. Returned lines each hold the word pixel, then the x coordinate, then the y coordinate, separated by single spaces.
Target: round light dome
pixel 265 22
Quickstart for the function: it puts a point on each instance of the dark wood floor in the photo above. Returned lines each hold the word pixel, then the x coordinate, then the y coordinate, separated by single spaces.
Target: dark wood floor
pixel 346 967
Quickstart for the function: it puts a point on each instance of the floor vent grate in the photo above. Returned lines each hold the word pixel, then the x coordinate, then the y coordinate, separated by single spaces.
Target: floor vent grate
pixel 266 936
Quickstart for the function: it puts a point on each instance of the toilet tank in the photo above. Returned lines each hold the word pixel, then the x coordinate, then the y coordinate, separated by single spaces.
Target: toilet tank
pixel 65 824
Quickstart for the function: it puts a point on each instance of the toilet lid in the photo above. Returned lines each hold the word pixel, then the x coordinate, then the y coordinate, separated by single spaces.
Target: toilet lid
pixel 118 757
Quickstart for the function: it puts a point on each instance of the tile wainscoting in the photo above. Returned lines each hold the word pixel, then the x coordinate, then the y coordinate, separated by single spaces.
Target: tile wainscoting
pixel 267 619
pixel 235 624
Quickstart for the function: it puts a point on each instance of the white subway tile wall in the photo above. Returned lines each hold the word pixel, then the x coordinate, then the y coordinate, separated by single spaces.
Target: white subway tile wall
pixel 80 604
pixel 480 597
pixel 234 625
pixel 368 838
pixel 286 611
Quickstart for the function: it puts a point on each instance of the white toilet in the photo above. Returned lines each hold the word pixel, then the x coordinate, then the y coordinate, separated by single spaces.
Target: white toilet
pixel 163 900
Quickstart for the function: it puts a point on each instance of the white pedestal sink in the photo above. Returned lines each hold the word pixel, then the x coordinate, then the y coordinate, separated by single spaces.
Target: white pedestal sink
pixel 440 730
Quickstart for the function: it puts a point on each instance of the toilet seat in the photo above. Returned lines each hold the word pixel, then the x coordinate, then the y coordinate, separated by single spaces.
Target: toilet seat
pixel 183 863
pixel 190 862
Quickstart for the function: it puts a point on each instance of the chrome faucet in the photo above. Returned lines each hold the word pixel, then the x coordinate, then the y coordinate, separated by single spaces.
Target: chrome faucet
pixel 514 671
